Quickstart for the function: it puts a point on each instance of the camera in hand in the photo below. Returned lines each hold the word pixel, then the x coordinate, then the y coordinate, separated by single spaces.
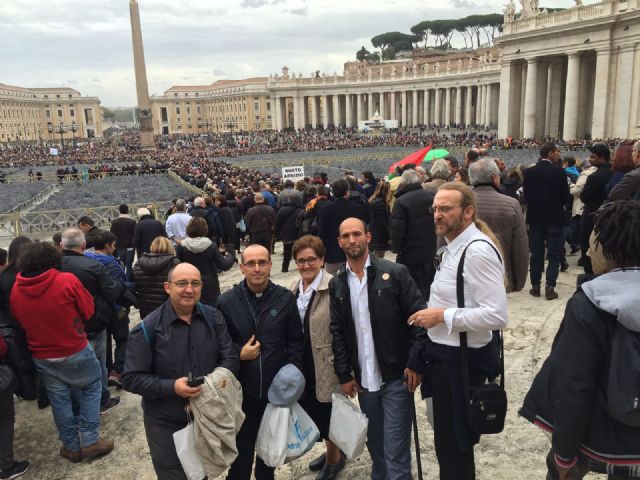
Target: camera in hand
pixel 194 381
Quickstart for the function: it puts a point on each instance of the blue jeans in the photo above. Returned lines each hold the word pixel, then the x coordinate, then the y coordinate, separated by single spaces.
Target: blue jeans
pixel 99 344
pixel 125 255
pixel 554 238
pixel 389 433
pixel 74 377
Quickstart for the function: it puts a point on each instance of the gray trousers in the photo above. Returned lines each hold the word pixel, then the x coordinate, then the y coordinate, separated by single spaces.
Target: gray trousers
pixel 389 433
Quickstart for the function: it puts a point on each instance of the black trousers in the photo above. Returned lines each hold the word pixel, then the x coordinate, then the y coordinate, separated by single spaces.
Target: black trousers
pixel 162 449
pixel 7 420
pixel 586 227
pixel 422 273
pixel 262 238
pixel 286 255
pixel 454 464
pixel 246 443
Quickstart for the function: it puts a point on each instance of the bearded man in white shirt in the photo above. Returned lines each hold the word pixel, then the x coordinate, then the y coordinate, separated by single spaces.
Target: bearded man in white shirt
pixel 371 300
pixel 485 310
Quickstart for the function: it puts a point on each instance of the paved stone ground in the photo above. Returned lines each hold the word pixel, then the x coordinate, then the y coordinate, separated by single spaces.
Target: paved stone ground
pixel 516 453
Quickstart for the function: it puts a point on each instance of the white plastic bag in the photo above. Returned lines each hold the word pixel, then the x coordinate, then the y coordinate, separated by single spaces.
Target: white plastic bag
pixel 186 449
pixel 271 445
pixel 348 427
pixel 302 433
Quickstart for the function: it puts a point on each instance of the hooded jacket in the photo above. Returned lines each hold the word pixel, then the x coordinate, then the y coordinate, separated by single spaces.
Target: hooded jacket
pixel 568 396
pixel 52 308
pixel 205 256
pixel 149 275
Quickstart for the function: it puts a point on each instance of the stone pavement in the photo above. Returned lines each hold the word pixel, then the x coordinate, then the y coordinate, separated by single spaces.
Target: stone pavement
pixel 518 452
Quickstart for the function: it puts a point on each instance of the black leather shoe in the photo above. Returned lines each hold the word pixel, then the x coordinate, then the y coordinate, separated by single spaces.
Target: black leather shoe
pixel 330 472
pixel 317 464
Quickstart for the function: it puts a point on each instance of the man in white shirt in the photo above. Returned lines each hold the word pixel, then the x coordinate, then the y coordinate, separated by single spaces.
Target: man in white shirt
pixel 177 223
pixel 371 300
pixel 485 310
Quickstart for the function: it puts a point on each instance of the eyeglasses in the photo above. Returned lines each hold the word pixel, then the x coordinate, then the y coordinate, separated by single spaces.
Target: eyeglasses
pixel 186 283
pixel 442 209
pixel 311 261
pixel 437 260
pixel 256 263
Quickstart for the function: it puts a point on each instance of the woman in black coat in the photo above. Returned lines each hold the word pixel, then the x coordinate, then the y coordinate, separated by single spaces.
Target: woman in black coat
pixel 380 216
pixel 201 252
pixel 8 275
pixel 150 273
pixel 228 223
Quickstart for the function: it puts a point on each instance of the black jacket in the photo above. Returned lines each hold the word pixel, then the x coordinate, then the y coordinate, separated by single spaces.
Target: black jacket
pixel 149 275
pixel 90 237
pixel 275 323
pixel 546 191
pixel 329 220
pixel 413 233
pixel 170 349
pixel 393 298
pixel 145 232
pixel 361 199
pixel 123 228
pixel 286 228
pixel 213 221
pixel 594 193
pixel 96 279
pixel 569 394
pixel 207 261
pixel 379 225
pixel 7 279
pixel 228 225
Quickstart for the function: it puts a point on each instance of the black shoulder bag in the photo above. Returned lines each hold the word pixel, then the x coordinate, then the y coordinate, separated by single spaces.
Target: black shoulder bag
pixel 486 404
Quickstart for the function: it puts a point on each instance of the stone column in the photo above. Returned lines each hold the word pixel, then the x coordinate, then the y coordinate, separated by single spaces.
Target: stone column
pixel 296 112
pixel 348 110
pixel 479 105
pixel 458 118
pixel 425 110
pixel 601 94
pixel 277 125
pixel 571 101
pixel 359 115
pixel 507 101
pixel 325 111
pixel 531 99
pixel 623 97
pixel 438 107
pixel 468 106
pixel 447 106
pixel 369 106
pixel 336 110
pixel 414 109
pixel 488 105
pixel 314 112
pixel 392 106
pixel 382 105
pixel 404 108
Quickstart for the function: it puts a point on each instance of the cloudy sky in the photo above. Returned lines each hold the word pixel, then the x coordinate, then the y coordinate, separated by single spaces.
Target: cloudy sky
pixel 86 44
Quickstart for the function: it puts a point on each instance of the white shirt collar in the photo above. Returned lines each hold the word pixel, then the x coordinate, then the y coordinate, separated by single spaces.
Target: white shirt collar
pixel 314 285
pixel 366 264
pixel 462 239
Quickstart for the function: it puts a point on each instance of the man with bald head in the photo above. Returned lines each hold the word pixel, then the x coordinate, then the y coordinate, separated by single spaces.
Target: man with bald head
pixel 265 327
pixel 371 301
pixel 182 337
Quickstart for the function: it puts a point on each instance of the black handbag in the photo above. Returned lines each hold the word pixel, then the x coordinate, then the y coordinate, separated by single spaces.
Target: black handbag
pixel 7 377
pixel 486 404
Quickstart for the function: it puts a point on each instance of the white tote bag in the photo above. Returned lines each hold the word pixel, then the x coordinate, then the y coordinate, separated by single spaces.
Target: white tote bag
pixel 348 427
pixel 302 434
pixel 186 449
pixel 271 445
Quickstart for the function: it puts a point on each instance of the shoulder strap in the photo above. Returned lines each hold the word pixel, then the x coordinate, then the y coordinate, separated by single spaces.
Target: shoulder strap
pixel 464 353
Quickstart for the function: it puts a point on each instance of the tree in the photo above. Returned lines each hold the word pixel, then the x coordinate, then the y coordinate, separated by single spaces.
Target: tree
pixel 388 53
pixel 362 54
pixel 397 40
pixel 443 30
pixel 107 114
pixel 422 29
pixel 492 24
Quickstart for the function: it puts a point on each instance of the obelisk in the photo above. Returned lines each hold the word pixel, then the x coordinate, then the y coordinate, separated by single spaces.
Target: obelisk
pixel 142 89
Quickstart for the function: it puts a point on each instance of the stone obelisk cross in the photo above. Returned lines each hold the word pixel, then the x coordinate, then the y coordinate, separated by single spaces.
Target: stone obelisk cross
pixel 142 89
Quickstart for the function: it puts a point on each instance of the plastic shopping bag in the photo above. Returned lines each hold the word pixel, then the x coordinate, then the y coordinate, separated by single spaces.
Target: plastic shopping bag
pixel 186 449
pixel 302 434
pixel 271 445
pixel 348 428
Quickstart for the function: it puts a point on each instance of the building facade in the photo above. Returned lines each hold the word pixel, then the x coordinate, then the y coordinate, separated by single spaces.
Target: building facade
pixel 38 114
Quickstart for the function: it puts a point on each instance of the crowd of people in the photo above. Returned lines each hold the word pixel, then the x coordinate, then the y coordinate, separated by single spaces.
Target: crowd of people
pixel 465 234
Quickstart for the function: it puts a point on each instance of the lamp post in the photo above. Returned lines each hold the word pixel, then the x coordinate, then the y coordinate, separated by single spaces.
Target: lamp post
pixel 230 124
pixel 61 129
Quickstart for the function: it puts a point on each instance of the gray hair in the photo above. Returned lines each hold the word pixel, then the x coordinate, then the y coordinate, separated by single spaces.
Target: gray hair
pixel 72 238
pixel 181 205
pixel 482 171
pixel 410 177
pixel 636 146
pixel 198 202
pixel 440 169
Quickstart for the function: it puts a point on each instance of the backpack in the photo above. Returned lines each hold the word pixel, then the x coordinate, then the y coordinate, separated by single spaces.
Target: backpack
pixel 305 222
pixel 623 386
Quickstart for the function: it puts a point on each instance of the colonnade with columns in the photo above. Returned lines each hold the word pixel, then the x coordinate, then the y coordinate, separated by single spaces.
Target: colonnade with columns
pixel 431 105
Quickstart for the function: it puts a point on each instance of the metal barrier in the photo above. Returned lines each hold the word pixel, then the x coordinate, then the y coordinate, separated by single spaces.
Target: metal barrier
pixel 53 177
pixel 32 223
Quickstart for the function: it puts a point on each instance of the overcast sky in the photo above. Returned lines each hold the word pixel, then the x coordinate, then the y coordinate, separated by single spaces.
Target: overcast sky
pixel 86 44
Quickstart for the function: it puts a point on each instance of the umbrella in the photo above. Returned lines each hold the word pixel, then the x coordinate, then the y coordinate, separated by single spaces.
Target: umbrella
pixel 416 158
pixel 435 154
